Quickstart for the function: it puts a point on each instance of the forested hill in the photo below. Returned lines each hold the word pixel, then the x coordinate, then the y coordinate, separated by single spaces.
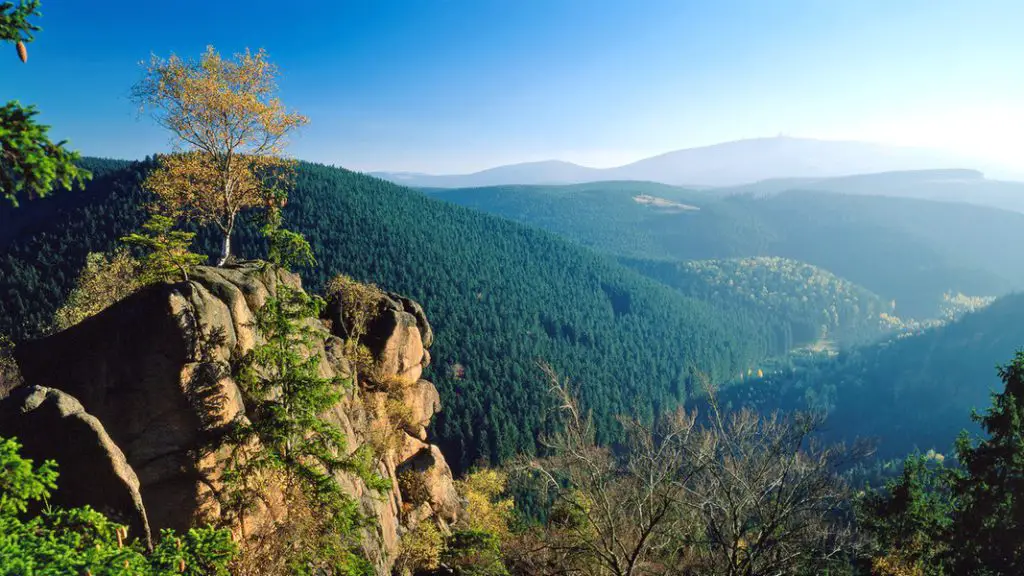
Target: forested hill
pixel 805 304
pixel 913 392
pixel 908 250
pixel 501 297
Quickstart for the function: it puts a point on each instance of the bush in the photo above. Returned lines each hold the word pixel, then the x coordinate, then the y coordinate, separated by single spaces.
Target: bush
pixel 486 509
pixel 414 487
pixel 422 548
pixel 105 280
pixel 358 304
pixel 474 553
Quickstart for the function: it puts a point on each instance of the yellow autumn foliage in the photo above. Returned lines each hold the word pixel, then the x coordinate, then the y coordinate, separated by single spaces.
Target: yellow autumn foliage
pixel 486 510
pixel 229 131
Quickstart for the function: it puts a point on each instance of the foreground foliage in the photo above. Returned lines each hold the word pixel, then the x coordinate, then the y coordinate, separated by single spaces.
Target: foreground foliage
pixel 31 165
pixel 738 494
pixel 39 539
pixel 935 520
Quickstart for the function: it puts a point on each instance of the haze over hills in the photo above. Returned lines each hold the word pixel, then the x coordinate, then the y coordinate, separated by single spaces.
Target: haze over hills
pixel 544 172
pixel 727 164
pixel 950 185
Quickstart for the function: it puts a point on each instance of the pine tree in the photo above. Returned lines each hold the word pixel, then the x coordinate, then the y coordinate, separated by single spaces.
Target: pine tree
pixel 300 450
pixel 168 250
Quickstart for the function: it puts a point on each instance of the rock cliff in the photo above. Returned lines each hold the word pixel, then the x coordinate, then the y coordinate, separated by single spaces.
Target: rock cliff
pixel 134 398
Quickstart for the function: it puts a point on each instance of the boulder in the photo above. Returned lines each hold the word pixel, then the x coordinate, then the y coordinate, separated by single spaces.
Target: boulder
pixel 154 369
pixel 52 425
pixel 424 401
pixel 414 308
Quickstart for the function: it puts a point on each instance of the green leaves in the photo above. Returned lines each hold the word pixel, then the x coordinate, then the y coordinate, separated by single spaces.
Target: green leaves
pixel 20 482
pixel 84 541
pixel 168 254
pixel 201 552
pixel 14 24
pixel 989 530
pixel 967 520
pixel 29 162
pixel 287 249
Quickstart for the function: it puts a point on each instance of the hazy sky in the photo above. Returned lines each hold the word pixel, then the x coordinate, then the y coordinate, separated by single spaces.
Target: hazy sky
pixel 459 85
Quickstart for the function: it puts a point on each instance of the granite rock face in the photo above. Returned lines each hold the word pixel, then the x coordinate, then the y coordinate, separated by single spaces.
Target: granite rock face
pixel 151 376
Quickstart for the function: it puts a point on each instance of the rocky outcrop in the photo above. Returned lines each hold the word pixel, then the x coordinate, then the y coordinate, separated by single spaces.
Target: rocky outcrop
pixel 93 470
pixel 151 373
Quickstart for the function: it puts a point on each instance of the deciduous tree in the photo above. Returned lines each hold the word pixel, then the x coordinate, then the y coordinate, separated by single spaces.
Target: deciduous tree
pixel 105 279
pixel 736 495
pixel 229 130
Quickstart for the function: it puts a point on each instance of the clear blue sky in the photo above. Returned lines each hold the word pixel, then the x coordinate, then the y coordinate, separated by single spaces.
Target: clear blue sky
pixel 459 85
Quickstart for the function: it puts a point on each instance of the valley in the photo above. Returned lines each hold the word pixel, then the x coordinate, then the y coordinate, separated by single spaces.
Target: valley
pixel 514 289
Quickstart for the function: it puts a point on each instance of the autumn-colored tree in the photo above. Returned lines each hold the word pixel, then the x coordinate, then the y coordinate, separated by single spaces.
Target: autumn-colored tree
pixel 29 162
pixel 229 130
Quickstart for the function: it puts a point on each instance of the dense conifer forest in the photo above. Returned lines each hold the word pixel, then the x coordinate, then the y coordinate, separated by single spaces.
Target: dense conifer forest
pixel 912 392
pixel 907 250
pixel 806 304
pixel 501 297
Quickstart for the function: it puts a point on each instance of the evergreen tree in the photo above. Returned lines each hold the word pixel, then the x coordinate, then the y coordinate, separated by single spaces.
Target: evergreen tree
pixel 29 162
pixel 968 520
pixel 168 250
pixel 988 538
pixel 289 450
pixel 910 521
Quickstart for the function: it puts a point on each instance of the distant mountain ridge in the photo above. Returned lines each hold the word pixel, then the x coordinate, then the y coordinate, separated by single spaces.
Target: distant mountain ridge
pixel 728 164
pixel 944 185
pixel 544 172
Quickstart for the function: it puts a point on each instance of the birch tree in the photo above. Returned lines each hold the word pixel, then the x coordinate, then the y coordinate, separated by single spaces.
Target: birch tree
pixel 229 131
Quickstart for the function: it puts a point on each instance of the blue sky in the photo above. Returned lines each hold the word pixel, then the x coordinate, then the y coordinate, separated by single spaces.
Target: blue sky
pixel 459 85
